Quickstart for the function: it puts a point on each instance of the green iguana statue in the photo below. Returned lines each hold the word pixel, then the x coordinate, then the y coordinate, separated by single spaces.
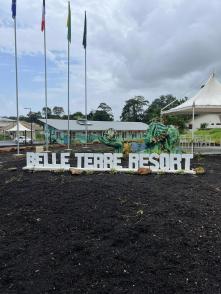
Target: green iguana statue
pixel 161 138
pixel 109 138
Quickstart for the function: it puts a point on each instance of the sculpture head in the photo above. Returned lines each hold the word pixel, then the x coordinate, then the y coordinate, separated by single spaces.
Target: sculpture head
pixel 110 134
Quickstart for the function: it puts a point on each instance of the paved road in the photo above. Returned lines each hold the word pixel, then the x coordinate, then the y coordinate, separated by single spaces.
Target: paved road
pixel 12 143
pixel 7 143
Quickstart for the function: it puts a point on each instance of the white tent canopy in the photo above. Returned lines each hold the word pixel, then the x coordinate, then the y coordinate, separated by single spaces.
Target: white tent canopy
pixel 207 100
pixel 21 129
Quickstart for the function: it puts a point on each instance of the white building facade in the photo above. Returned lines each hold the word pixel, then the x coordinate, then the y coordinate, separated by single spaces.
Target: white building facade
pixel 208 121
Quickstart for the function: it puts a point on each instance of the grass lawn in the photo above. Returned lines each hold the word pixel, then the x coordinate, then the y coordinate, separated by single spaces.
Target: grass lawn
pixel 3 138
pixel 214 134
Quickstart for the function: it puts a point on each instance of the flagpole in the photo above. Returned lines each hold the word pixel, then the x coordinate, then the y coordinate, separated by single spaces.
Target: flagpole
pixel 16 74
pixel 85 75
pixel 69 41
pixel 86 124
pixel 46 92
pixel 68 94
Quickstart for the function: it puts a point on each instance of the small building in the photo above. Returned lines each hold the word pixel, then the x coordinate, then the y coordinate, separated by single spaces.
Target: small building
pixel 5 123
pixel 204 107
pixel 58 130
pixel 9 129
pixel 23 131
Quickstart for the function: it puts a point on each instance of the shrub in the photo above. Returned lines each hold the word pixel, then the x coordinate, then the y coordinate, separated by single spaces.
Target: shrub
pixel 203 126
pixel 200 170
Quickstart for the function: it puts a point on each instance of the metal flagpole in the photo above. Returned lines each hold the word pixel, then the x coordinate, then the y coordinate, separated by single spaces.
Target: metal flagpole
pixel 85 73
pixel 193 118
pixel 46 92
pixel 86 124
pixel 69 41
pixel 16 73
pixel 68 94
pixel 43 29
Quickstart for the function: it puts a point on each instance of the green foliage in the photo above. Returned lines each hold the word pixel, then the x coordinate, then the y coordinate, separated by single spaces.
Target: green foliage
pixel 49 112
pixel 215 134
pixel 153 113
pixel 103 113
pixel 4 137
pixel 75 116
pixel 39 137
pixel 133 109
pixel 113 171
pixel 203 126
pixel 34 116
pixel 57 110
pixel 88 172
pixel 200 170
pixel 177 120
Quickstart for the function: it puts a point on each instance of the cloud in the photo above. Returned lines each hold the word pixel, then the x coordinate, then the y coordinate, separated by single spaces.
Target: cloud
pixel 134 48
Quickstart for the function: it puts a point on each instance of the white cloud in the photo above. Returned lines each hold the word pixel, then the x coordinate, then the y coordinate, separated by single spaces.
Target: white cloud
pixel 134 47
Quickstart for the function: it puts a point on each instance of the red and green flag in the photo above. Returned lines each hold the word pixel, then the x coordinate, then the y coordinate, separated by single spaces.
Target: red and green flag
pixel 43 17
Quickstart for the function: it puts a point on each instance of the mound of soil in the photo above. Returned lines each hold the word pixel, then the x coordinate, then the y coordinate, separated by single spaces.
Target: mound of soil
pixel 104 233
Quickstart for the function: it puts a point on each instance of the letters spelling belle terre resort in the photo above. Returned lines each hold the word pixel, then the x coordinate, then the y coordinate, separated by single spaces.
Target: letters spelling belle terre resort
pixel 108 161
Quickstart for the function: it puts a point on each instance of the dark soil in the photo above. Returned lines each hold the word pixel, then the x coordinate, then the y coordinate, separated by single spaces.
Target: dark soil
pixel 105 233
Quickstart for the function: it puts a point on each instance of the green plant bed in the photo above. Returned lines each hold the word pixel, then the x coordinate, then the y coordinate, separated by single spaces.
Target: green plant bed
pixel 39 137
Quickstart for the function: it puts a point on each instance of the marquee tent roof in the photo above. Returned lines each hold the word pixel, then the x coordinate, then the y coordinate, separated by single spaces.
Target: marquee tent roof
pixel 21 129
pixel 207 100
pixel 5 119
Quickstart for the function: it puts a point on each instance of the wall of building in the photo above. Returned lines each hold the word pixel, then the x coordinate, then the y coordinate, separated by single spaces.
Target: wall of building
pixel 79 136
pixel 212 120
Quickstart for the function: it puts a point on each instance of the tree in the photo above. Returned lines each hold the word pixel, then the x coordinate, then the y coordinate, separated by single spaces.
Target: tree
pixel 133 110
pixel 90 115
pixel 103 113
pixel 104 107
pixel 77 115
pixel 176 120
pixel 34 116
pixel 57 110
pixel 153 113
pixel 44 111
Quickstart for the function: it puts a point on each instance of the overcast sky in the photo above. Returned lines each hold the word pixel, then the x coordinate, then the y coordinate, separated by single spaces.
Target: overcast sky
pixel 141 47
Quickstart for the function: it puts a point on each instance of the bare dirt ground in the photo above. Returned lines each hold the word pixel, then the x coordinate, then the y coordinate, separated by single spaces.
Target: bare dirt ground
pixel 110 233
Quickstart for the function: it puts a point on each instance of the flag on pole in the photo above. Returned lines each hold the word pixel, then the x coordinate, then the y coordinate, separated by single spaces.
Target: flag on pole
pixel 85 31
pixel 13 9
pixel 43 17
pixel 69 22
